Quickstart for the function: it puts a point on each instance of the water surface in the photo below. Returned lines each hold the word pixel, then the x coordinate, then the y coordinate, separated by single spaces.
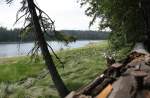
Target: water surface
pixel 15 49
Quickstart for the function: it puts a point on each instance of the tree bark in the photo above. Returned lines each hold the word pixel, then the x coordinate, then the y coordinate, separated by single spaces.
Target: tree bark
pixel 146 10
pixel 60 86
pixel 88 89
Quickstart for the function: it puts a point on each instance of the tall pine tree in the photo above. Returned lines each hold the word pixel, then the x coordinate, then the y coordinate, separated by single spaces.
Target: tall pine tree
pixel 39 24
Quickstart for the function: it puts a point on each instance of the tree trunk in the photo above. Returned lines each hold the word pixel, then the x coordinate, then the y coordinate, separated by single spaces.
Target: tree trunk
pixel 60 86
pixel 146 9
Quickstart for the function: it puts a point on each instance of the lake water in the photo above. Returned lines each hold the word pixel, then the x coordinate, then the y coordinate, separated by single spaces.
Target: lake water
pixel 15 49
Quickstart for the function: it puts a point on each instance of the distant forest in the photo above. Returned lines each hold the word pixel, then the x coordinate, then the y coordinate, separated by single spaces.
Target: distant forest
pixel 13 35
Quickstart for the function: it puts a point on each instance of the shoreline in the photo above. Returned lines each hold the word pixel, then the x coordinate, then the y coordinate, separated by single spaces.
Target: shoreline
pixel 56 50
pixel 49 41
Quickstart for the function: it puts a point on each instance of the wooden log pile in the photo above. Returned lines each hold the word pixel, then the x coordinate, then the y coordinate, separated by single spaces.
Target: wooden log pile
pixel 129 78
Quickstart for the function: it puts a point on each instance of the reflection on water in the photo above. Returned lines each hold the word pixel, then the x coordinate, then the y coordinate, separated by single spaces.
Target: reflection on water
pixel 15 49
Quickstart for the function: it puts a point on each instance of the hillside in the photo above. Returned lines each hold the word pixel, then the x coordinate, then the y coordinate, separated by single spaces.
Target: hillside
pixel 14 35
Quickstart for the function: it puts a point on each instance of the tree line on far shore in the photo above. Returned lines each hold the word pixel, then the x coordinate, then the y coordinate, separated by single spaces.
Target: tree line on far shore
pixel 14 35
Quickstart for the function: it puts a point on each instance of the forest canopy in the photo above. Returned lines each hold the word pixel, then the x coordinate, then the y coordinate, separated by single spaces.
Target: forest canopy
pixel 127 19
pixel 14 35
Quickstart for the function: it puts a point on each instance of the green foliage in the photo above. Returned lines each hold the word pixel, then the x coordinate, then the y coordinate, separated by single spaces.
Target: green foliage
pixel 14 35
pixel 81 66
pixel 8 35
pixel 14 69
pixel 61 36
pixel 124 18
pixel 17 68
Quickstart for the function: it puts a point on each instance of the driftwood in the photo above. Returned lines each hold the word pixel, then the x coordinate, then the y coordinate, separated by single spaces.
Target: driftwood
pixel 129 78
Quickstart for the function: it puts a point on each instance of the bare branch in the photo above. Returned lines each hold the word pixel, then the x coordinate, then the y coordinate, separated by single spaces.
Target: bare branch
pixel 17 19
pixel 44 13
pixel 62 63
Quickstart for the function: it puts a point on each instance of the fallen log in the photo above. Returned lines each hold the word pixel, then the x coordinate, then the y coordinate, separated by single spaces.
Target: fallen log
pixel 101 81
pixel 87 89
pixel 120 76
pixel 105 92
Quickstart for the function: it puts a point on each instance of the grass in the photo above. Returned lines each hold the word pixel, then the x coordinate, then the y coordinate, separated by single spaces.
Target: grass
pixel 14 69
pixel 80 67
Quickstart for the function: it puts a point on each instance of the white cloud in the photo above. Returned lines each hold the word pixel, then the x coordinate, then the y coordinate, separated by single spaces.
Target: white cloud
pixel 66 13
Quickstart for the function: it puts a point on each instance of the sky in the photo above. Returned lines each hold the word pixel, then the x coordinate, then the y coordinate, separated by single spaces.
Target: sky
pixel 67 14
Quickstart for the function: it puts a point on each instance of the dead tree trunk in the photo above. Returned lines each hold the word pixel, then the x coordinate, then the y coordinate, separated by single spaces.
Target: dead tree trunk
pixel 62 90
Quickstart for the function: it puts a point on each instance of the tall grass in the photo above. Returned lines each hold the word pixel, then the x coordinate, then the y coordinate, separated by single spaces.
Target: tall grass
pixel 80 67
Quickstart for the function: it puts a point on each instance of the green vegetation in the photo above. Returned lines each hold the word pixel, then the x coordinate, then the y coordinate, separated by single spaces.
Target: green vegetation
pixel 128 20
pixel 14 69
pixel 15 35
pixel 80 67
